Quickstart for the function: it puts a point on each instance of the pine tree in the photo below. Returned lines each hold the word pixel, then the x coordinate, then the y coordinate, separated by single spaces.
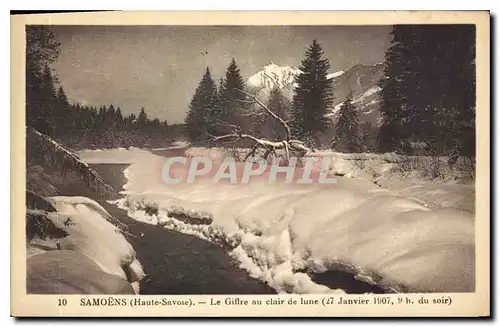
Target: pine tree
pixel 457 96
pixel 199 120
pixel 428 88
pixel 392 132
pixel 64 118
pixel 63 99
pixel 101 115
pixel 42 49
pixel 229 100
pixel 110 115
pixel 119 115
pixel 346 133
pixel 48 104
pixel 142 118
pixel 313 96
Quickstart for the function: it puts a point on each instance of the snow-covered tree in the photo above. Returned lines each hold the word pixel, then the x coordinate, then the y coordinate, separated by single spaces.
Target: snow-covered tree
pixel 428 89
pixel 230 99
pixel 200 116
pixel 313 95
pixel 346 133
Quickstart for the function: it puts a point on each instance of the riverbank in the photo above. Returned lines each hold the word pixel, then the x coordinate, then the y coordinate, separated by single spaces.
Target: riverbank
pixel 176 263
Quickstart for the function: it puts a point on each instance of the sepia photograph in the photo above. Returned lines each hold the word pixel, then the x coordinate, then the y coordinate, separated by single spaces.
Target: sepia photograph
pixel 233 159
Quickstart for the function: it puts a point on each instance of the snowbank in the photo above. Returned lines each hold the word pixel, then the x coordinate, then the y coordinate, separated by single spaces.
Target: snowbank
pixel 91 235
pixel 70 272
pixel 175 145
pixel 427 180
pixel 278 231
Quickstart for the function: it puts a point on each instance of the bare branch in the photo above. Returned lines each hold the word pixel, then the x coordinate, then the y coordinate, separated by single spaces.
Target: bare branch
pixel 250 112
pixel 270 112
pixel 270 147
pixel 245 101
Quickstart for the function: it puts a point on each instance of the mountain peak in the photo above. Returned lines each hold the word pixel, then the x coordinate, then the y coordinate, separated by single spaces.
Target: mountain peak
pixel 273 75
pixel 361 79
pixel 271 64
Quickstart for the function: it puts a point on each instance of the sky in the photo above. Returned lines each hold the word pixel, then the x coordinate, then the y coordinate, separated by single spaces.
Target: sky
pixel 159 67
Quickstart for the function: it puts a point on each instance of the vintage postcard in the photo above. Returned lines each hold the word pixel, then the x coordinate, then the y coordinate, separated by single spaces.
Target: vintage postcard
pixel 251 164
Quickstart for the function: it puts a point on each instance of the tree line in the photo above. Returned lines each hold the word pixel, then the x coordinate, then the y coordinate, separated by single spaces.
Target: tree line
pixel 428 90
pixel 81 126
pixel 427 99
pixel 216 110
pixel 213 110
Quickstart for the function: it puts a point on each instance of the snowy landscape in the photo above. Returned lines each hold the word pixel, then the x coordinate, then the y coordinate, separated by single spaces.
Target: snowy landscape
pixel 397 137
pixel 276 232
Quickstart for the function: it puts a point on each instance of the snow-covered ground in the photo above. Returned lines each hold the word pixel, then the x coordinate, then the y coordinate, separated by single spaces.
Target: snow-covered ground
pixel 90 235
pixel 277 231
pixel 425 179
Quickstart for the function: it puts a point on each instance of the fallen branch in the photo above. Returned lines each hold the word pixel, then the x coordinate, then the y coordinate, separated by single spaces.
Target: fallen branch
pixel 270 112
pixel 270 147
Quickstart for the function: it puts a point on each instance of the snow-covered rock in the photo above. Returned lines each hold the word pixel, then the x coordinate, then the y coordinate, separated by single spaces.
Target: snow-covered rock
pixel 70 272
pixel 89 234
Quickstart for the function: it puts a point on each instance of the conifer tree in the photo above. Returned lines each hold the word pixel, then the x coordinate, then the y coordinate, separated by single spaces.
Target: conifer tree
pixel 63 99
pixel 46 112
pixel 346 133
pixel 111 114
pixel 200 116
pixel 229 100
pixel 64 117
pixel 142 118
pixel 393 104
pixel 428 88
pixel 119 115
pixel 313 96
pixel 42 49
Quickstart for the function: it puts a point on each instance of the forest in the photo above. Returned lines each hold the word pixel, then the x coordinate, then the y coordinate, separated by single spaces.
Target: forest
pixel 427 102
pixel 73 124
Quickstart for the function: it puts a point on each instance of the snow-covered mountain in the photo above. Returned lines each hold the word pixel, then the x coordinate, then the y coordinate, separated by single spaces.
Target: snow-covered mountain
pixel 271 76
pixel 361 79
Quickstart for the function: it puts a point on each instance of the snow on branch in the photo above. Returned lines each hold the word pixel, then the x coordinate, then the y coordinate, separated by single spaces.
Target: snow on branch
pixel 270 147
pixel 270 112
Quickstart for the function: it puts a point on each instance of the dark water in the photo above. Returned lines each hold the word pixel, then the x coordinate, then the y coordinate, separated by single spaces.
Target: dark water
pixel 346 281
pixel 177 263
